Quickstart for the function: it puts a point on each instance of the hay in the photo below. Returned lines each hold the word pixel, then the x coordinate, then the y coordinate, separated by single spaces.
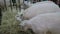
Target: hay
pixel 9 24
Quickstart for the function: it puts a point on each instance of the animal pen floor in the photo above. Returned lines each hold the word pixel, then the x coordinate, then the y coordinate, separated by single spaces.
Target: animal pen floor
pixel 9 24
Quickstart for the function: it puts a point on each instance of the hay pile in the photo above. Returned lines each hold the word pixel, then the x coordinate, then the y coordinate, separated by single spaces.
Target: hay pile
pixel 10 24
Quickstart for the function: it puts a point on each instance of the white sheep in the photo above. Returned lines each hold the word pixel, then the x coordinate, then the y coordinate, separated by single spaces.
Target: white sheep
pixel 44 23
pixel 40 8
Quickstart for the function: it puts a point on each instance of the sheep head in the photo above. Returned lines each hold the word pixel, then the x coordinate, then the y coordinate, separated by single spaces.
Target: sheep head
pixel 25 26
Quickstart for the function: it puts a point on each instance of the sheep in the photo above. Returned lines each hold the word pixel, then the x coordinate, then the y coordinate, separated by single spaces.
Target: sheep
pixel 43 23
pixel 39 8
pixel 29 4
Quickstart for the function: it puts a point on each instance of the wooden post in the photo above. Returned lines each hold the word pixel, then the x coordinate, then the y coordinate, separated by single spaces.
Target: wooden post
pixel 11 4
pixel 5 5
pixel 19 5
pixel 16 4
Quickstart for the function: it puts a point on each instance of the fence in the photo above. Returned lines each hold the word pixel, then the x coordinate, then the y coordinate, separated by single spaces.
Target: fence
pixel 10 3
